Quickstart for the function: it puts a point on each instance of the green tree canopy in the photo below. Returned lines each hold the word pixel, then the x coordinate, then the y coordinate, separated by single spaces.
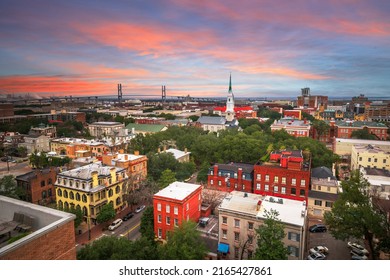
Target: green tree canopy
pixel 184 243
pixel 353 215
pixel 106 213
pixel 270 236
pixel 363 134
pixel 8 187
pixel 147 224
pixel 167 177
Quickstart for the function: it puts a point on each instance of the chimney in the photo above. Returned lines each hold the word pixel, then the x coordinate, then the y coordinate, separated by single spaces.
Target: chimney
pixel 328 179
pixel 132 130
pixel 113 175
pixel 136 153
pixel 95 181
pixel 215 170
pixel 258 205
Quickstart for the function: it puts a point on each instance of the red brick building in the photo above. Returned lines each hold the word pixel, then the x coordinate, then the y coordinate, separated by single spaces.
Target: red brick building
pixel 286 175
pixel 295 114
pixel 231 177
pixel 345 129
pixel 39 186
pixel 175 203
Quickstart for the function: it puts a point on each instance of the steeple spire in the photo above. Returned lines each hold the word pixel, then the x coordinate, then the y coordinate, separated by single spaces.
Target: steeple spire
pixel 230 83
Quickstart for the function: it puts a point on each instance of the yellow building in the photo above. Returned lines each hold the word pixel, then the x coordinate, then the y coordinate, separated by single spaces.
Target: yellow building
pixel 369 156
pixel 90 187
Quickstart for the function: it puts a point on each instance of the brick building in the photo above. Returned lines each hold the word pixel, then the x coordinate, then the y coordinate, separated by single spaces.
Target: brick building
pixel 377 111
pixel 311 101
pixel 175 203
pixel 294 127
pixel 345 128
pixel 231 177
pixel 287 175
pixel 39 186
pixel 51 236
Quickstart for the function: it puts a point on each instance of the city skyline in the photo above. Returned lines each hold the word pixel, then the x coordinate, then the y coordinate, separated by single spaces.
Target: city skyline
pixel 272 48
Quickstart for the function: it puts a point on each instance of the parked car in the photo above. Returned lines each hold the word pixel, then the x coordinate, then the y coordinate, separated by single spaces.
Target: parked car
pixel 317 228
pixel 316 256
pixel 357 257
pixel 358 247
pixel 115 224
pixel 358 252
pixel 319 249
pixel 128 216
pixel 139 208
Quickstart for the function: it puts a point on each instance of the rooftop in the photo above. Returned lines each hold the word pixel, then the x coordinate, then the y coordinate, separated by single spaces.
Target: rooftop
pixel 84 172
pixel 32 174
pixel 176 153
pixel 146 127
pixel 178 190
pixel 233 166
pixel 372 149
pixel 361 141
pixel 125 157
pixel 322 172
pixel 291 122
pixel 106 123
pixel 44 220
pixel 323 195
pixel 360 124
pixel 212 120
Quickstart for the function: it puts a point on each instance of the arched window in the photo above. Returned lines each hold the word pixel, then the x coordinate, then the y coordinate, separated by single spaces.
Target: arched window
pixel 60 205
pixel 85 212
pixel 117 189
pixel 66 194
pixel 84 198
pixel 59 192
pixel 110 193
pixel 49 181
pixel 77 196
pixel 66 206
pixel 71 195
pixel 43 183
pixel 118 201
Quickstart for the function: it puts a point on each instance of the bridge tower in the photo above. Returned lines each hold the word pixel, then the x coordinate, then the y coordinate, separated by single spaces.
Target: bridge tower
pixel 163 94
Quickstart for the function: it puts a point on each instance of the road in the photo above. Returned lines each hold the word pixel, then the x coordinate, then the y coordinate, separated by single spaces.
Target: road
pixel 14 168
pixel 129 228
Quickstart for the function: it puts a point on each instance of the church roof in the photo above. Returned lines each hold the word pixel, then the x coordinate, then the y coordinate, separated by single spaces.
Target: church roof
pixel 212 120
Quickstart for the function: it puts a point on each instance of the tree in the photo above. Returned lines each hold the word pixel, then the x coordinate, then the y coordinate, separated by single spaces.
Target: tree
pixel 113 248
pixel 185 170
pixel 79 216
pixel 157 163
pixel 8 187
pixel 270 236
pixel 147 224
pixel 321 128
pixel 184 243
pixel 106 213
pixel 167 177
pixel 363 134
pixel 353 215
pixel 203 172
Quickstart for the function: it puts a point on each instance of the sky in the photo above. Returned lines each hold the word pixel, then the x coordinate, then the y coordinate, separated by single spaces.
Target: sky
pixel 272 48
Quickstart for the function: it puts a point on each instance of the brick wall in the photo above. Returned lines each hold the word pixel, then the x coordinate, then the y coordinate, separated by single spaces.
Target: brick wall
pixel 58 244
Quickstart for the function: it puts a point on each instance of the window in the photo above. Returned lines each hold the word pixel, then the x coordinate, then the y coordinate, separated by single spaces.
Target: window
pixel 219 182
pixel 235 175
pixel 84 198
pixel 168 220
pixel 71 195
pixel 224 220
pixel 176 222
pixel 258 176
pixel 384 161
pixel 158 206
pixel 319 188
pixel 117 189
pixel 375 160
pixel 302 192
pixel 318 202
pixel 258 186
pixel 236 252
pixel 276 179
pixel 175 210
pixel 293 181
pixel 328 204
pixel 168 209
pixel 294 236
pixel 43 183
pixel 211 182
pixel 293 251
pixel 43 194
pixel 250 225
pixel 59 192
pixel 243 176
pixel 236 223
pixel 369 159
pixel 118 201
pixel 283 190
pixel 66 194
pixel 49 194
pixel 303 182
pixel 236 236
pixel 266 188
pixel 211 172
pixel 110 193
pixel 284 180
pixel 71 183
pixel 49 181
pixel 159 233
pixel 159 218
pixel 78 197
pixel 360 158
pixel 267 178
pixel 276 189
pixel 293 191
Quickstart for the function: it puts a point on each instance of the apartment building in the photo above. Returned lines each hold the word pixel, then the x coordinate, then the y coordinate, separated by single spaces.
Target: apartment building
pixel 294 127
pixel 369 156
pixel 241 213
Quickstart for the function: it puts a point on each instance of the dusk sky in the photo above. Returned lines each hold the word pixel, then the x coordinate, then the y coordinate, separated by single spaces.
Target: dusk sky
pixel 272 48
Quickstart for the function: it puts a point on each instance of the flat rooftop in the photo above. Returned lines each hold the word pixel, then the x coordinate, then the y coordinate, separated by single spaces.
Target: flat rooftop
pixel 45 219
pixel 361 141
pixel 178 190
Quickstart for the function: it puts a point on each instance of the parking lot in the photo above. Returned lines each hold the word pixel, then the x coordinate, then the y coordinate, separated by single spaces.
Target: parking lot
pixel 338 250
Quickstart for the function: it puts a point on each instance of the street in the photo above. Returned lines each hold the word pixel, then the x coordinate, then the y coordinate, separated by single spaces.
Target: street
pixel 128 229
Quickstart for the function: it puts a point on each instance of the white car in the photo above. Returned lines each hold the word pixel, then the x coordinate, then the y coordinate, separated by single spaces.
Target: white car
pixel 316 256
pixel 358 247
pixel 139 208
pixel 115 224
pixel 319 249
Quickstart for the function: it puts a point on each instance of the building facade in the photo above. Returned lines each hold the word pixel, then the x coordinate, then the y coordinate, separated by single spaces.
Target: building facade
pixel 231 177
pixel 101 129
pixel 36 143
pixel 240 214
pixel 286 175
pixel 174 204
pixel 343 147
pixel 38 186
pixel 90 187
pixel 346 128
pixel 369 156
pixel 296 128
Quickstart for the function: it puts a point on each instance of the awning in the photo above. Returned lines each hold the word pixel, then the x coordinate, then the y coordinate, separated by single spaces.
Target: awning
pixel 223 248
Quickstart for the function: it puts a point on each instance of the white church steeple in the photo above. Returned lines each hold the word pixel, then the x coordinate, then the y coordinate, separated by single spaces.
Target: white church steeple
pixel 230 102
